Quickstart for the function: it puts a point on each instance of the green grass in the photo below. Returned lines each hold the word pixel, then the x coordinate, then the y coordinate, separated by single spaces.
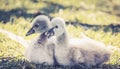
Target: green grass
pixel 11 53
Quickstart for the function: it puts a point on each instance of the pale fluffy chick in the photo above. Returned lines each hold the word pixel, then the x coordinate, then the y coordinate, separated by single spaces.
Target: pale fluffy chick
pixel 77 51
pixel 40 49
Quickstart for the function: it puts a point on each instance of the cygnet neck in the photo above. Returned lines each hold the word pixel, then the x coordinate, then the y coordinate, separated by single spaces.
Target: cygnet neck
pixel 42 39
pixel 62 40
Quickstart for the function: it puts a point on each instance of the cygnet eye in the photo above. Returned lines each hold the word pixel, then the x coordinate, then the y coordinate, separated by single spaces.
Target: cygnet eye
pixel 56 26
pixel 36 25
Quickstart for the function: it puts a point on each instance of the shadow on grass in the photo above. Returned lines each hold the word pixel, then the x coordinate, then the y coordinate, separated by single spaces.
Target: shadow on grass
pixel 5 16
pixel 52 7
pixel 114 28
pixel 14 63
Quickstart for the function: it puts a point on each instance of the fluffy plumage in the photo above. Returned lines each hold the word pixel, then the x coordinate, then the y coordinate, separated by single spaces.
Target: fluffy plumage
pixel 40 24
pixel 76 51
pixel 91 52
pixel 70 52
pixel 40 49
pixel 61 49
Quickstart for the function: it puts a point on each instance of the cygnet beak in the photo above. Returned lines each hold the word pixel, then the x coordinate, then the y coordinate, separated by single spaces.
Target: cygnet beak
pixel 51 32
pixel 31 31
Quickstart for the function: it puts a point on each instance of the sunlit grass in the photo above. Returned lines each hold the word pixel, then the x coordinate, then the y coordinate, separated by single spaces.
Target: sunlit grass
pixel 20 25
pixel 89 17
pixel 106 37
pixel 10 48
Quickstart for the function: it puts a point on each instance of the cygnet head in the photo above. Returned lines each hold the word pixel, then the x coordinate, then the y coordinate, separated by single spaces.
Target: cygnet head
pixel 39 25
pixel 60 23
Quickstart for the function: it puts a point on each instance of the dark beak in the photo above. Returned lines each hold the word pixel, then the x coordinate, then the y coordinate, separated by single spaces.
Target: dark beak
pixel 51 32
pixel 31 31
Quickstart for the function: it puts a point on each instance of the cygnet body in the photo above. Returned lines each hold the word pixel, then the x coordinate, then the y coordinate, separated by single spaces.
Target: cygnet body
pixel 76 51
pixel 40 49
pixel 91 52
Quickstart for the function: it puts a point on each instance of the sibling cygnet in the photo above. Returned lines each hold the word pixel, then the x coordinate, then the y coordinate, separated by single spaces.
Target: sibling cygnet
pixel 41 49
pixel 61 50
pixel 79 51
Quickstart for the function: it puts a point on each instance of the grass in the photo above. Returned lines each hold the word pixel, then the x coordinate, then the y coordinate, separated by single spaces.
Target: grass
pixel 17 15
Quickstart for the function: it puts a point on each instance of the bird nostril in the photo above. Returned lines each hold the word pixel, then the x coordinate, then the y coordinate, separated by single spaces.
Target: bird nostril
pixel 44 27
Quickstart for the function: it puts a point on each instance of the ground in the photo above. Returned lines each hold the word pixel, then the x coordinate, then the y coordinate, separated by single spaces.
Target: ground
pixel 98 19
